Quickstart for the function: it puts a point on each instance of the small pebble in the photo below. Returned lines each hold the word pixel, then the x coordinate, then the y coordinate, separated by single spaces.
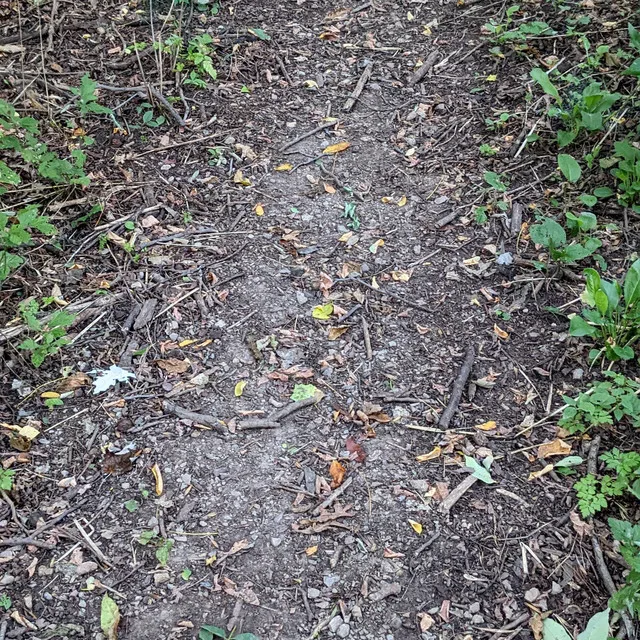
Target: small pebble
pixel 86 567
pixel 161 577
pixel 532 594
pixel 312 593
pixel 343 630
pixel 335 623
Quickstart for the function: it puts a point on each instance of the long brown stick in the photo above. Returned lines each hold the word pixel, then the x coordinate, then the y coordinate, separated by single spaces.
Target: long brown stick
pixel 364 78
pixel 200 418
pixel 304 136
pixel 458 387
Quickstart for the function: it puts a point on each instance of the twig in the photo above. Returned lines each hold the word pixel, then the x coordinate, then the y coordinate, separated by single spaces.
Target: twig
pixel 258 424
pixel 175 145
pixel 285 73
pixel 427 65
pixel 457 493
pixel 322 624
pixel 367 339
pixel 178 301
pixel 273 420
pixel 14 514
pixel 334 496
pixel 304 136
pixel 242 320
pixel 15 542
pixel 428 543
pixel 521 619
pixel 356 194
pixel 458 387
pixel 92 545
pixel 200 418
pixel 364 78
pixel 386 292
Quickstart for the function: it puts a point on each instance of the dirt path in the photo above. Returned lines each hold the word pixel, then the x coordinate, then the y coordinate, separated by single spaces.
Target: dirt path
pixel 253 547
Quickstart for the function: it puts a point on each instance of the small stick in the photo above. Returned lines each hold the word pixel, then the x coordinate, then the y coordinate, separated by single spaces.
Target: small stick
pixel 92 545
pixel 258 424
pixel 424 69
pixel 364 78
pixel 322 624
pixel 386 292
pixel 178 301
pixel 305 600
pixel 304 136
pixel 367 339
pixel 334 496
pixel 15 542
pixel 521 619
pixel 457 493
pixel 242 320
pixel 458 387
pixel 293 407
pixel 175 145
pixel 285 73
pixel 200 418
pixel 516 218
pixel 428 543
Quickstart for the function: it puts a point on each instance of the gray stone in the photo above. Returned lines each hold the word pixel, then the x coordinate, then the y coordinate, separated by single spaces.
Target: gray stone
pixel 474 607
pixel 343 630
pixel 335 623
pixel 532 594
pixel 276 542
pixel 477 619
pixel 161 577
pixel 86 567
pixel 331 580
pixel 312 593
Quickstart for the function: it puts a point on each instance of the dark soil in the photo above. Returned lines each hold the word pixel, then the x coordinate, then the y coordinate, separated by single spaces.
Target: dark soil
pixel 235 304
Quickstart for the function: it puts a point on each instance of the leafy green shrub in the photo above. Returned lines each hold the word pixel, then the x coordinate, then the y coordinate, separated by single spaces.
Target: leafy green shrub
pixel 626 171
pixel 613 314
pixel 196 58
pixel 6 479
pixel 15 232
pixel 552 236
pixel 629 537
pixel 21 135
pixel 504 32
pixel 607 402
pixel 87 97
pixel 50 336
pixel 597 628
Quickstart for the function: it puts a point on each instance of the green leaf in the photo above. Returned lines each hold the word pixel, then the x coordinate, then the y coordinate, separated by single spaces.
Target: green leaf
pixel 634 37
pixel 303 391
pixel 186 574
pixel 162 553
pixel 569 167
pixel 569 461
pixel 131 505
pixel 597 627
pixel 322 312
pixel 565 138
pixel 109 617
pixel 632 284
pixel 579 327
pixel 552 630
pixel 478 470
pixel 7 175
pixel 246 636
pixel 146 537
pixel 542 78
pixel 602 302
pixel 588 200
pixel 548 233
pixel 494 180
pixel 208 632
pixel 259 33
pixel 603 192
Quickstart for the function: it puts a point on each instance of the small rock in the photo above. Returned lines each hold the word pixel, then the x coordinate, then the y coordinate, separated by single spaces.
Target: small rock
pixel 7 579
pixel 474 607
pixel 532 594
pixel 312 593
pixel 276 542
pixel 343 630
pixel 161 577
pixel 86 567
pixel 477 619
pixel 335 624
pixel 300 297
pixel 555 588
pixel 330 580
pixel 577 374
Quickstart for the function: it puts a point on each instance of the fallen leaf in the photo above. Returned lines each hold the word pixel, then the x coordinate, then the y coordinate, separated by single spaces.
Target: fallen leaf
pixel 416 526
pixel 259 209
pixel 329 188
pixel 323 311
pixel 556 447
pixel 157 475
pixel 376 245
pixel 444 610
pixel 337 472
pixel 486 426
pixel 432 455
pixel 336 332
pixel 239 178
pixel 422 330
pixel 50 394
pixel 109 617
pixel 336 148
pixel 173 365
pixel 501 333
pixel 538 474
pixel 304 391
pixel 426 621
pixel 74 381
pixel 402 201
pixel 285 166
pixel 310 551
pixel 535 622
pixel 356 452
pixel 187 342
pixel 400 275
pixel 580 526
pixel 389 553
pixel 239 388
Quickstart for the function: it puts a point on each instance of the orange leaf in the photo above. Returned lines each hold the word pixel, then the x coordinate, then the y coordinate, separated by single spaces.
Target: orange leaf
pixel 337 473
pixel 336 148
pixel 432 455
pixel 501 333
pixel 486 426
pixel 556 447
pixel 336 332
pixel 329 188
pixel 538 474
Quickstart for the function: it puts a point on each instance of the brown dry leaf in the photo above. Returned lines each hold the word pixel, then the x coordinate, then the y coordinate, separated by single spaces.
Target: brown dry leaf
pixel 355 450
pixel 389 553
pixel 337 473
pixel 336 332
pixel 444 610
pixel 556 447
pixel 426 621
pixel 285 166
pixel 329 188
pixel 416 526
pixel 173 365
pixel 380 416
pixel 402 201
pixel 580 526
pixel 74 381
pixel 336 148
pixel 486 426
pixel 535 622
pixel 435 453
pixel 401 275
pixel 441 491
pixel 157 475
pixel 501 333
pixel 239 178
pixel 310 551
pixel 542 472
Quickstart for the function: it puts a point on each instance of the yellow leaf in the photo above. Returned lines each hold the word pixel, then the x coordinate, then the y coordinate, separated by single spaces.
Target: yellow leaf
pixel 28 432
pixel 329 188
pixel 311 84
pixel 210 560
pixel 49 394
pixel 400 275
pixel 492 78
pixel 416 526
pixel 556 447
pixel 157 474
pixel 285 166
pixel 486 426
pixel 539 474
pixel 470 262
pixel 387 200
pixel 336 148
pixel 426 31
pixel 186 343
pixel 310 551
pixel 374 283
pixel 239 388
pixel 259 209
pixel 376 245
pixel 402 201
pixel 336 332
pixel 432 455
pixel 345 236
pixel 409 16
pixel 323 311
pixel 238 178
pixel 501 333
